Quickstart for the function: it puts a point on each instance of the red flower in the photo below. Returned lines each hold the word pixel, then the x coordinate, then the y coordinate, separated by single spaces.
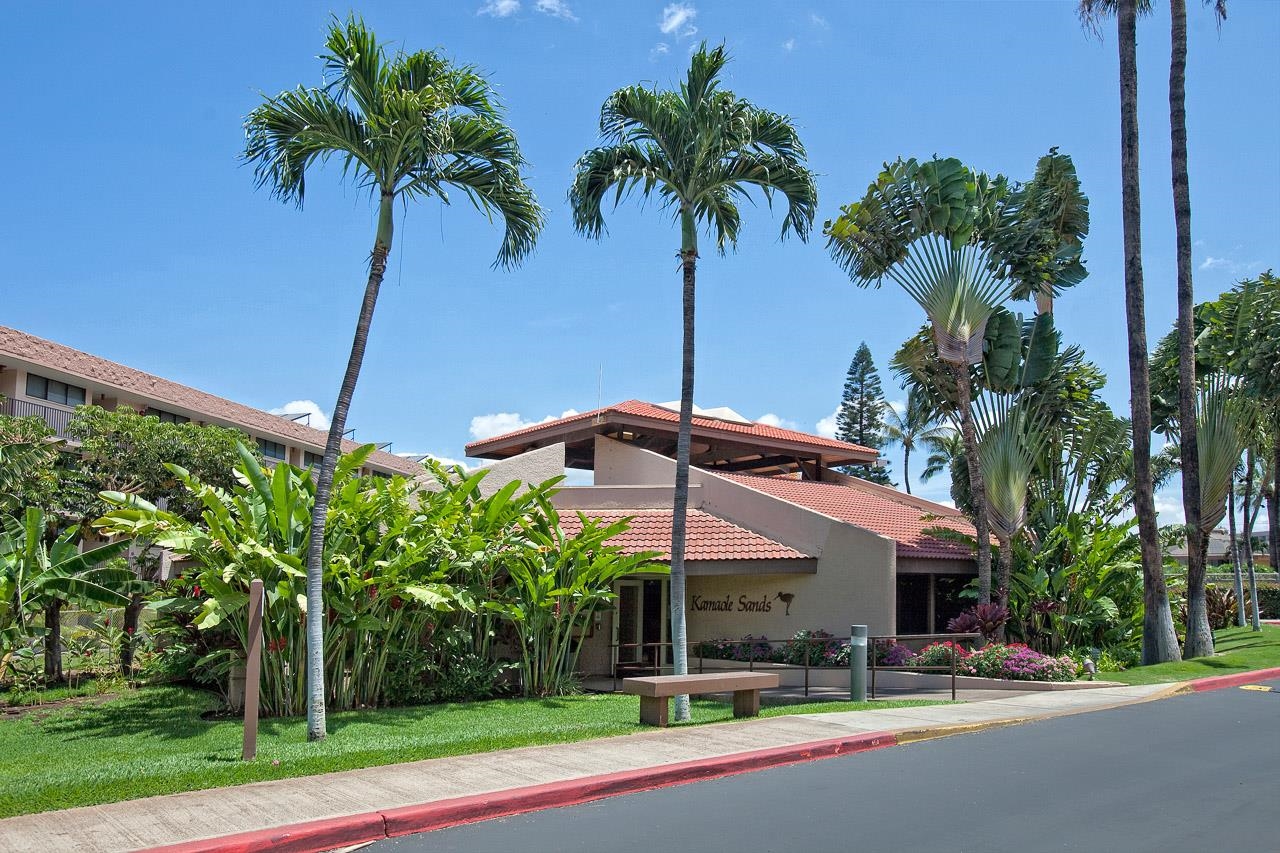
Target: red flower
pixel 277 645
pixel 396 602
pixel 195 591
pixel 129 630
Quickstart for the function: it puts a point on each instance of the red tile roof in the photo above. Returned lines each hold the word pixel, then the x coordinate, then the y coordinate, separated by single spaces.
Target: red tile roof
pixel 901 519
pixel 55 356
pixel 708 538
pixel 639 408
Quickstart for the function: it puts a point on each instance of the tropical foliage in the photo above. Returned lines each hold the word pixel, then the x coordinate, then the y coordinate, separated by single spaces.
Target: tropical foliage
pixel 419 583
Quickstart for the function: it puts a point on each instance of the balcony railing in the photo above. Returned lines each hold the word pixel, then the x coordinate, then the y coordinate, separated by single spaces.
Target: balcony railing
pixel 57 419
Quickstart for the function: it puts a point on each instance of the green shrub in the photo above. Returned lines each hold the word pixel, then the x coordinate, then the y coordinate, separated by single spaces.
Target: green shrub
pixel 1269 600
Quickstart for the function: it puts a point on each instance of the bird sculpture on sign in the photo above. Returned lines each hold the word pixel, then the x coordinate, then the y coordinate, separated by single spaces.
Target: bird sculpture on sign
pixel 786 598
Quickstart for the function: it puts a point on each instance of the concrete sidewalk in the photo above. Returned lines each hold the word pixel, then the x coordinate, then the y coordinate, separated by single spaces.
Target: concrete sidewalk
pixel 474 780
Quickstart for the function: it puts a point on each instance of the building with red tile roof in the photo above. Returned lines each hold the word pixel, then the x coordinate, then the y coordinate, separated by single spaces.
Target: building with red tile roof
pixel 47 379
pixel 777 540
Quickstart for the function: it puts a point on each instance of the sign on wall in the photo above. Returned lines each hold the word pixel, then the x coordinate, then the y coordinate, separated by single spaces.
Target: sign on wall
pixel 742 604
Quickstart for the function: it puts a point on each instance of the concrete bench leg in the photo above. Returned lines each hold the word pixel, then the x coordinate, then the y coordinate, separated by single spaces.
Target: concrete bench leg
pixel 746 703
pixel 653 710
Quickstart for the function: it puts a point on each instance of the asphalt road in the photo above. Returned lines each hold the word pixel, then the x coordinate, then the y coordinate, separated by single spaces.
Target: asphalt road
pixel 1192 773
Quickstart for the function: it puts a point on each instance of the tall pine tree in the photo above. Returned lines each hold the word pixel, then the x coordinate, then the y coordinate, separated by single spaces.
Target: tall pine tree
pixel 860 418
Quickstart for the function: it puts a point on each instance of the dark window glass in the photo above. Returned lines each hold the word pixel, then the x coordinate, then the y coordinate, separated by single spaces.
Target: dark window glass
pixel 54 391
pixel 168 417
pixel 271 449
pixel 312 460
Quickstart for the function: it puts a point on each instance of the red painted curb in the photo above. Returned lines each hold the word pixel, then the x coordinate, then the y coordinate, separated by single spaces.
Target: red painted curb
pixel 1217 682
pixel 321 835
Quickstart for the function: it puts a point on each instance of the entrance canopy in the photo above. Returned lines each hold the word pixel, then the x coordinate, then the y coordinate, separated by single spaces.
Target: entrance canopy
pixel 722 440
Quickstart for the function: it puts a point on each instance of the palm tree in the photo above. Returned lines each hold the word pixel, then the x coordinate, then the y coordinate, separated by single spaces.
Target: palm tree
pixel 960 243
pixel 699 149
pixel 1159 642
pixel 1199 642
pixel 407 127
pixel 945 447
pixel 917 422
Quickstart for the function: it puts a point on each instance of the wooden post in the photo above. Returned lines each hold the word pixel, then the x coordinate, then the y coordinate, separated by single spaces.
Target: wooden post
pixel 253 672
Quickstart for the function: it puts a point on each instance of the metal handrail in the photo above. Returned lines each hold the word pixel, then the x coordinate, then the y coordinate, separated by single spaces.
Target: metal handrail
pixel 57 419
pixel 656 666
pixel 874 667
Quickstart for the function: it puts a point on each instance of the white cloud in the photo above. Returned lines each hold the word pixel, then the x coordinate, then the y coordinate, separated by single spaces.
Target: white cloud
pixel 317 419
pixel 899 406
pixel 556 9
pixel 1169 508
pixel 818 21
pixel 770 419
pixel 659 50
pixel 1229 265
pixel 789 45
pixel 443 460
pixel 677 20
pixel 500 423
pixel 827 426
pixel 500 8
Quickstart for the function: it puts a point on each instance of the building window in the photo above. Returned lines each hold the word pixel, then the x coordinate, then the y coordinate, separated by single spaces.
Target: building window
pixel 272 449
pixel 167 417
pixel 40 388
pixel 312 460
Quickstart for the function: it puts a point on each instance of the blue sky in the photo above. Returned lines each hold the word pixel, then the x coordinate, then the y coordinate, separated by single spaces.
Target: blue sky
pixel 131 230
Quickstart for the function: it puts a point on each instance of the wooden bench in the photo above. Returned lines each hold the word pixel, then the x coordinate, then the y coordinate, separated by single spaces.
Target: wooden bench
pixel 655 691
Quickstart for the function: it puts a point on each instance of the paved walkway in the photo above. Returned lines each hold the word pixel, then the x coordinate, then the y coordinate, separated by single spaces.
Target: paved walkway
pixel 157 821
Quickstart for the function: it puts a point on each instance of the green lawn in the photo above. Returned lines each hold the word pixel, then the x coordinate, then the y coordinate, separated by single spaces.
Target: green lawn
pixel 1239 650
pixel 153 741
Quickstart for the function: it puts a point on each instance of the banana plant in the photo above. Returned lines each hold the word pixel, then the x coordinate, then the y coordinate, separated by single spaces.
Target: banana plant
pixel 39 578
pixel 557 584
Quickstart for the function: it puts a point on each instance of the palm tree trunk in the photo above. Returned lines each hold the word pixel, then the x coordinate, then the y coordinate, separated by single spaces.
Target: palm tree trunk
pixel 1250 515
pixel 1199 641
pixel 53 642
pixel 1273 501
pixel 1235 550
pixel 1159 642
pixel 1199 632
pixel 906 467
pixel 1005 578
pixel 680 505
pixel 316 729
pixel 977 485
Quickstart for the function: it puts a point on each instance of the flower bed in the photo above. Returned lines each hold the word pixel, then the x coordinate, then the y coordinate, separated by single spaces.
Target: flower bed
pixel 1011 662
pixel 818 647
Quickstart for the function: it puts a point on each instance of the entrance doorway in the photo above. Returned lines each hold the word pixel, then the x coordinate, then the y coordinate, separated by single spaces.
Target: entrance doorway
pixel 641 626
pixel 927 602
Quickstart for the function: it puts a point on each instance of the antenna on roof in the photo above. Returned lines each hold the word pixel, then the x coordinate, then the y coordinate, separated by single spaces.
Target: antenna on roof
pixel 600 388
pixel 300 416
pixel 351 432
pixel 382 446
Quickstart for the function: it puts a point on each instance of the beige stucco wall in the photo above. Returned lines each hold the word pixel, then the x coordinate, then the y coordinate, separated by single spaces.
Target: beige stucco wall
pixel 856 569
pixel 536 466
pixel 855 581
